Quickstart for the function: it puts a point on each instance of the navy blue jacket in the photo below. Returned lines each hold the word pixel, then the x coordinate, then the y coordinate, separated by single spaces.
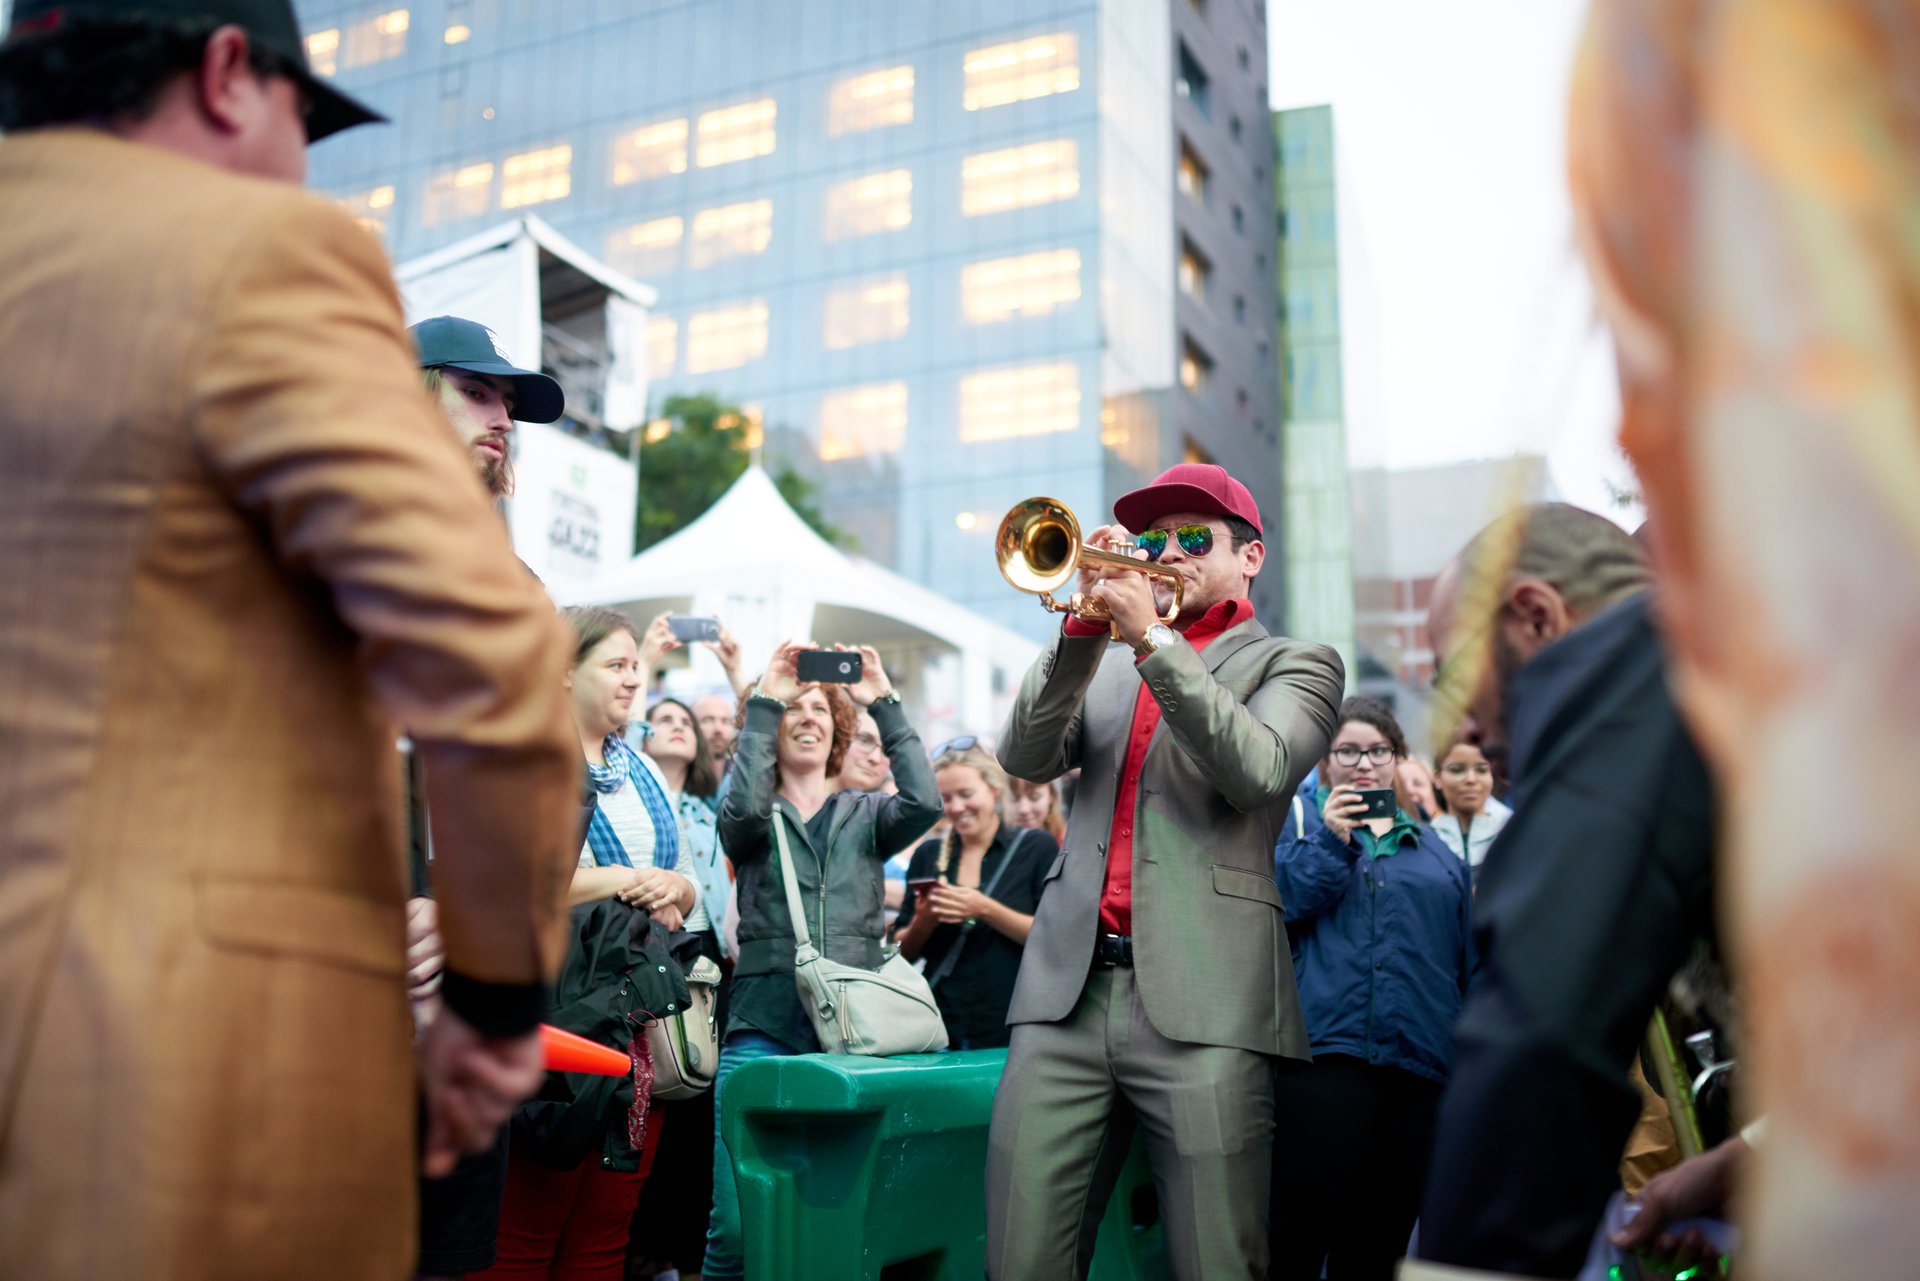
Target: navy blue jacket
pixel 1381 944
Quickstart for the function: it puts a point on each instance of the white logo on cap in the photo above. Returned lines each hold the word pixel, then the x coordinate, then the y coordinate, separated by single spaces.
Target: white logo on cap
pixel 498 349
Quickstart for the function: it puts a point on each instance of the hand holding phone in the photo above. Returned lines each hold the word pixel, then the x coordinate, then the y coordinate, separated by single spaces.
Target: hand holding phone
pixel 922 884
pixel 688 628
pixel 829 666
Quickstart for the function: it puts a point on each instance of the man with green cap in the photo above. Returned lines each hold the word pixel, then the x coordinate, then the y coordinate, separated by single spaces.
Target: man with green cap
pixel 240 548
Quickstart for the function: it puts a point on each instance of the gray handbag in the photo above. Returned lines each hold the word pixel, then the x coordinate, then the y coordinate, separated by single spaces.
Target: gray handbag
pixel 853 1010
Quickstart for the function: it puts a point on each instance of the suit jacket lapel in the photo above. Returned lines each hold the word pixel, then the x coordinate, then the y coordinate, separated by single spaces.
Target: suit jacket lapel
pixel 1218 651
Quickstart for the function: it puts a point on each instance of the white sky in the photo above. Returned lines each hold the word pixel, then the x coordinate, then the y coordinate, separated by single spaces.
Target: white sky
pixel 1449 123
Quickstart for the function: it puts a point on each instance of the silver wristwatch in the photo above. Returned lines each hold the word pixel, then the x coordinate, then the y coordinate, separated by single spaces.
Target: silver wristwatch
pixel 1159 636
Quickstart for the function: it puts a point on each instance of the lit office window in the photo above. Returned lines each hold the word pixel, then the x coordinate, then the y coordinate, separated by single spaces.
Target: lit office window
pixel 730 231
pixel 1191 175
pixel 870 101
pixel 463 193
pixel 663 345
pixel 1018 176
pixel 863 420
pixel 646 248
pixel 734 133
pixel 1194 271
pixel 1035 68
pixel 458 33
pixel 371 209
pixel 323 52
pixel 650 152
pixel 726 337
pixel 870 311
pixel 877 202
pixel 1028 400
pixel 1195 366
pixel 535 177
pixel 378 38
pixel 1029 285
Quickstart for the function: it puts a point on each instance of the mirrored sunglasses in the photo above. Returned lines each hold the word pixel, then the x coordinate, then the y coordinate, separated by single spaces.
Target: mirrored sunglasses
pixel 1195 540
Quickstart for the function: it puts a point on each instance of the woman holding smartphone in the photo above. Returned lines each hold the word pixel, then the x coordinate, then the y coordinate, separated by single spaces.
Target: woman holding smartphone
pixel 793 739
pixel 972 894
pixel 1377 909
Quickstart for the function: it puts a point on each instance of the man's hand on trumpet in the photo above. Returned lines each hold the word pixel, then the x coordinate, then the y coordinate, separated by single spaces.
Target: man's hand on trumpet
pixel 1128 595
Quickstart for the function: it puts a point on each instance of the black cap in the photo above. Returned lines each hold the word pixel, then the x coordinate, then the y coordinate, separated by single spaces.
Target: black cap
pixel 448 342
pixel 269 24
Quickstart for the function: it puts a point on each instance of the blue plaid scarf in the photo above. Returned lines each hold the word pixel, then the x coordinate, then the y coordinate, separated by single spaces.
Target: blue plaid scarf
pixel 625 766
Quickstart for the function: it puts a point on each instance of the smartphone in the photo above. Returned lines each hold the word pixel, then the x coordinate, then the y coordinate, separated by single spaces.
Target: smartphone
pixel 833 666
pixel 922 883
pixel 688 628
pixel 1380 802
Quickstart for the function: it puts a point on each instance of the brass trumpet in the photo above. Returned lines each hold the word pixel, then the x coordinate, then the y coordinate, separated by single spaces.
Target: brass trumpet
pixel 1039 549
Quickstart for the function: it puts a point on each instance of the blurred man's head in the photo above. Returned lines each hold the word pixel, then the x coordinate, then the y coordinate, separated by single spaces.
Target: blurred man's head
pixel 1521 584
pixel 714 715
pixel 225 82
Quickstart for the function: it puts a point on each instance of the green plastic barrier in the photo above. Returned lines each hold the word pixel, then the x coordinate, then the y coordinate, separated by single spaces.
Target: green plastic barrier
pixel 862 1169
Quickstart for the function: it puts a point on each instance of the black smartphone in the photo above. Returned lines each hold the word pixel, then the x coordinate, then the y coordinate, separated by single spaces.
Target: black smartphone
pixel 688 628
pixel 832 666
pixel 1380 802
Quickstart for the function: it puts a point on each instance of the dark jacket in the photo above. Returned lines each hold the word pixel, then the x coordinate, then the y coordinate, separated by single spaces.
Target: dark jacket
pixel 1588 901
pixel 839 855
pixel 619 968
pixel 1381 946
pixel 977 986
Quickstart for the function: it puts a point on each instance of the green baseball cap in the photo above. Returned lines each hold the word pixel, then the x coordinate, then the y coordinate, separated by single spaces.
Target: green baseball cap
pixel 448 342
pixel 269 24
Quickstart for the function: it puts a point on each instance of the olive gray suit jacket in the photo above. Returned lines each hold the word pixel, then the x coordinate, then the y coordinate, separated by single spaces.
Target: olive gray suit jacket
pixel 1242 721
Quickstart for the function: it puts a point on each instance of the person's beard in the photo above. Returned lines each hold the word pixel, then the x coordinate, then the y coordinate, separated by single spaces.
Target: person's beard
pixel 496 473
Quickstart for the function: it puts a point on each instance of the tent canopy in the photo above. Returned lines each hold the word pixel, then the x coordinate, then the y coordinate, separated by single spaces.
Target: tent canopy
pixel 753 561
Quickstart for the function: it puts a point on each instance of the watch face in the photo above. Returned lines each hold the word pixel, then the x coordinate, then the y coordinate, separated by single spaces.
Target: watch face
pixel 1160 634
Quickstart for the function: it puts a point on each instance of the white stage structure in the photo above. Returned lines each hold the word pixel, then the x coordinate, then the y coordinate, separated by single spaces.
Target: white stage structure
pixel 752 561
pixel 554 307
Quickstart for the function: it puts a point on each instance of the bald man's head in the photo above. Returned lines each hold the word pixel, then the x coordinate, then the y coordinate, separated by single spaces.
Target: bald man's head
pixel 1520 584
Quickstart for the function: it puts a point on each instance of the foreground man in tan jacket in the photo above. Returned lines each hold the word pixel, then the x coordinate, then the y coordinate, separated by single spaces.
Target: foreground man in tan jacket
pixel 237 547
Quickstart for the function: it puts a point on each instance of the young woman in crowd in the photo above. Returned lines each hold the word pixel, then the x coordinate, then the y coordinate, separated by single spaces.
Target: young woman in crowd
pixel 976 889
pixel 1037 806
pixel 1378 912
pixel 1470 817
pixel 574 1222
pixel 793 739
pixel 1414 781
pixel 669 1227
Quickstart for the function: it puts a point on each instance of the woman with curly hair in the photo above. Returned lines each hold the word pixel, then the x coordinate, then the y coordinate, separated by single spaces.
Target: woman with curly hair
pixel 793 740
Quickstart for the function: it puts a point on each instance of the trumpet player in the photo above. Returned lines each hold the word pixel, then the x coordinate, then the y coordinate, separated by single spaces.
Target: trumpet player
pixel 1157 989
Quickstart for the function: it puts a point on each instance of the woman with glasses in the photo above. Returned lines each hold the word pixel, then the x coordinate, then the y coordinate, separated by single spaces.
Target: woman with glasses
pixel 1469 815
pixel 1376 906
pixel 975 891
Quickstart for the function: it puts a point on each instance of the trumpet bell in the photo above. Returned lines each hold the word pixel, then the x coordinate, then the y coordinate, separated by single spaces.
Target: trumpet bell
pixel 1038 545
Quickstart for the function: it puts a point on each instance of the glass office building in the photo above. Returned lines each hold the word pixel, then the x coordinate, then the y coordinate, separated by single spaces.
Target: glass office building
pixel 946 255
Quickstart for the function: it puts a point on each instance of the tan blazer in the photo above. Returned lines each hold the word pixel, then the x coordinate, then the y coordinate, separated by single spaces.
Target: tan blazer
pixel 1241 723
pixel 238 546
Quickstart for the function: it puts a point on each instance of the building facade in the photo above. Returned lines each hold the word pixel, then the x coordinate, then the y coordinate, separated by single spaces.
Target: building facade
pixel 946 256
pixel 1319 507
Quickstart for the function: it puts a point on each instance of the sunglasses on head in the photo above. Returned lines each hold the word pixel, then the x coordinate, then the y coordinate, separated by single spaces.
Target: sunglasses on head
pixel 1195 540
pixel 960 744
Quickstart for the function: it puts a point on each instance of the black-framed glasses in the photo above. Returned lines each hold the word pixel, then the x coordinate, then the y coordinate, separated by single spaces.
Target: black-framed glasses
pixel 1194 540
pixel 960 744
pixel 1349 755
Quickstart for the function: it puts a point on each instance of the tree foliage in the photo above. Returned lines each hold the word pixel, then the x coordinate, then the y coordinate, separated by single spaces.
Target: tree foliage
pixel 684 471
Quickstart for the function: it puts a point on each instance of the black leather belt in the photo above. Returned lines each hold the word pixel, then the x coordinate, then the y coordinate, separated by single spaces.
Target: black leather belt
pixel 1113 949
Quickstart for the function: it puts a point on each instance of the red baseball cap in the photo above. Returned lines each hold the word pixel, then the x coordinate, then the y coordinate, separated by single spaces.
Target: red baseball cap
pixel 1187 487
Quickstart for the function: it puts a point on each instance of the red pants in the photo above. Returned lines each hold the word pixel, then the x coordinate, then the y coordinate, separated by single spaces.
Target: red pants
pixel 569 1225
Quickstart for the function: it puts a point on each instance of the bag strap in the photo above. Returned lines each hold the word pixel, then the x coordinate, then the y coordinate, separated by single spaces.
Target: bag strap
pixel 801 941
pixel 952 957
pixel 1299 818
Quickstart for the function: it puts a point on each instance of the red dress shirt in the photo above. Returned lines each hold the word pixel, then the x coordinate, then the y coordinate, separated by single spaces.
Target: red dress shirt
pixel 1116 899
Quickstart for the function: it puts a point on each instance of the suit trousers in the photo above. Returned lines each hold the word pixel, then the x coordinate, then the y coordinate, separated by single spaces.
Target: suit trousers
pixel 1064 1119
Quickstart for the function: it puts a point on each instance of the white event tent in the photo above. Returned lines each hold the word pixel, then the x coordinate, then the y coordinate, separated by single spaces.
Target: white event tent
pixel 752 561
